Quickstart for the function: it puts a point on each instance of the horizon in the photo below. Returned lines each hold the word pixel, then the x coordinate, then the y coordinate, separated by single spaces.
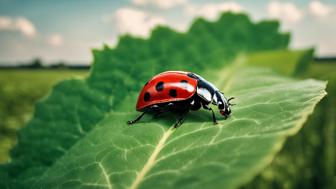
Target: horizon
pixel 62 36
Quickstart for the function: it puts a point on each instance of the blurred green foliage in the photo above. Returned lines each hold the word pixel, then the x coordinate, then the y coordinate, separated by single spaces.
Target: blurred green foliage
pixel 19 91
pixel 288 62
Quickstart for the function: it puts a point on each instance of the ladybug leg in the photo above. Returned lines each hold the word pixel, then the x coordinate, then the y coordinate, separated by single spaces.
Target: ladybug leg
pixel 181 119
pixel 154 108
pixel 137 119
pixel 207 107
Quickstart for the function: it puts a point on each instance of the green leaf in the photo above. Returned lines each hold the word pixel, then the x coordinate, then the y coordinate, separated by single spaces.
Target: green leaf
pixel 152 154
pixel 287 62
pixel 311 152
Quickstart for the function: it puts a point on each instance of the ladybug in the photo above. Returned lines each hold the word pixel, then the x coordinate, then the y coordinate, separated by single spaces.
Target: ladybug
pixel 180 92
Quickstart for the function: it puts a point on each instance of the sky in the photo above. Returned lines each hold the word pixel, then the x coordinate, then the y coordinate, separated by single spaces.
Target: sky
pixel 67 30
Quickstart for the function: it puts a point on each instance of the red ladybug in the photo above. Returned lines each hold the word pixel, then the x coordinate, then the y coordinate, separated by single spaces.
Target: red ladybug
pixel 179 91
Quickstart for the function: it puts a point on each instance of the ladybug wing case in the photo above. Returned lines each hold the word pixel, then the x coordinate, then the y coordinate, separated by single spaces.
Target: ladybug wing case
pixel 166 87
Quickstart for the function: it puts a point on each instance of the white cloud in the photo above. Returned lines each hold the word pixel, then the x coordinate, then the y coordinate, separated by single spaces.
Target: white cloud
pixel 5 22
pixel 55 40
pixel 212 10
pixel 318 9
pixel 21 24
pixel 164 4
pixel 136 22
pixel 25 26
pixel 285 11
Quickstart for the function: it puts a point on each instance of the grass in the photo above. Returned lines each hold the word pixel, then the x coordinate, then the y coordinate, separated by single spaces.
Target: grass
pixel 19 91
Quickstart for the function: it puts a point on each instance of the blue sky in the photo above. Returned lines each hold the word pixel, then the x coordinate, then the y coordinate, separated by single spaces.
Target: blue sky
pixel 67 29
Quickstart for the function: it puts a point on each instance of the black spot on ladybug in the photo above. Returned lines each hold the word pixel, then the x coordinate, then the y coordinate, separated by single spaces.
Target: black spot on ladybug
pixel 146 96
pixel 184 84
pixel 192 75
pixel 159 86
pixel 172 93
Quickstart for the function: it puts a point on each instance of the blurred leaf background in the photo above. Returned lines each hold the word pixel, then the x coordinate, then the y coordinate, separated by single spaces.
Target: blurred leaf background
pixel 306 161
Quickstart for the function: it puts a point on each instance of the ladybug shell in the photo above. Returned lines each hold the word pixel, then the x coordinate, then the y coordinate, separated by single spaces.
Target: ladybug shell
pixel 170 86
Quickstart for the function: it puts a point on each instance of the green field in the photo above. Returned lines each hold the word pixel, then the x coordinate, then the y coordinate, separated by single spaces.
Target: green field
pixel 19 91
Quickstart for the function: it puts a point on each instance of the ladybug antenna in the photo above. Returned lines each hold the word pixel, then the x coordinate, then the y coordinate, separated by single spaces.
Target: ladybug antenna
pixel 229 101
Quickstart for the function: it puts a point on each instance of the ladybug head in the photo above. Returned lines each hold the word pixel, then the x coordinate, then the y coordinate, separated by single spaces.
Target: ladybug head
pixel 225 112
pixel 224 105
